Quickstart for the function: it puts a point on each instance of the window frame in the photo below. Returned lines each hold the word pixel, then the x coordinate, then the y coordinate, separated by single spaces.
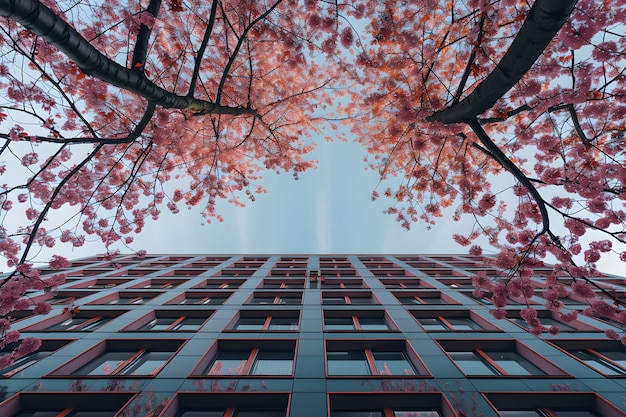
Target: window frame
pixel 249 351
pixel 369 350
pixel 140 351
pixel 229 403
pixel 22 402
pixel 389 403
pixel 277 298
pixel 481 348
pixel 348 298
pixel 594 349
pixel 179 317
pixel 356 317
pixel 552 401
pixel 267 318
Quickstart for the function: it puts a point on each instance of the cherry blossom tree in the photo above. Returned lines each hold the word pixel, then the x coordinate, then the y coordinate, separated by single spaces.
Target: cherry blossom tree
pixel 106 104
pixel 111 112
pixel 459 92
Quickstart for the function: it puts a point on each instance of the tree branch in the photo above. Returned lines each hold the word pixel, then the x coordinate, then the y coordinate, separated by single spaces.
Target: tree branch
pixel 544 20
pixel 42 21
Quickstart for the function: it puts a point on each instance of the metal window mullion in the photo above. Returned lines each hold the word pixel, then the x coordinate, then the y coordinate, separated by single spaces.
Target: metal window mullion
pixel 610 361
pixel 66 412
pixel 446 323
pixel 355 321
pixel 246 369
pixel 369 356
pixel 266 325
pixel 490 362
pixel 175 323
pixel 128 361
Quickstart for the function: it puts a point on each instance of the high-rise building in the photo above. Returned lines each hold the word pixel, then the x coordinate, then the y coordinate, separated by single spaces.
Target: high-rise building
pixel 305 336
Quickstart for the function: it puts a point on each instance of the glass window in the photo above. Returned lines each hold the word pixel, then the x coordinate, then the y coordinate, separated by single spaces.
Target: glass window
pixel 368 362
pixel 24 362
pixel 250 323
pixel 79 324
pixel 372 323
pixel 347 363
pixel 392 363
pixel 140 362
pixel 181 323
pixel 254 362
pixel 229 363
pixel 272 363
pixel 283 323
pixel 493 362
pixel 545 321
pixel 608 362
pixel 339 323
pixel 448 323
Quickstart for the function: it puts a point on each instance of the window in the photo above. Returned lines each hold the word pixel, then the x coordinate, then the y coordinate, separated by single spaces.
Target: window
pixel 353 298
pixel 419 298
pixel 545 321
pixel 402 284
pixel 497 357
pixel 342 284
pixel 262 322
pixel 208 300
pixel 76 323
pixel 122 357
pixel 448 323
pixel 608 362
pixel 46 349
pixel 131 362
pixel 180 323
pixel 369 362
pixel 605 356
pixel 252 362
pixel 386 412
pixel 281 283
pixel 493 362
pixel 217 284
pixel 230 405
pixel 333 321
pixel 387 404
pixel 95 404
pixel 288 298
pixel 545 412
pixel 579 404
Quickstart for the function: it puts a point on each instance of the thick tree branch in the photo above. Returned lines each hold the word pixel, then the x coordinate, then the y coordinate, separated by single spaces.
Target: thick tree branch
pixel 544 20
pixel 43 22
pixel 504 160
pixel 141 46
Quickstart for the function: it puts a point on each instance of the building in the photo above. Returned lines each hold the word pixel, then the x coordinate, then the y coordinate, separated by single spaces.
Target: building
pixel 304 336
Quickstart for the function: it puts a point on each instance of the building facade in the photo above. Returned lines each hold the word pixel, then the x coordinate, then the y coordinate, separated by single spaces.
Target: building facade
pixel 305 336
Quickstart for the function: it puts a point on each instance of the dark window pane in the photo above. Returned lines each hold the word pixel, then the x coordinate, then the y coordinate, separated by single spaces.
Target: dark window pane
pixel 339 323
pixel 273 363
pixel 393 363
pixel 373 323
pixel 347 363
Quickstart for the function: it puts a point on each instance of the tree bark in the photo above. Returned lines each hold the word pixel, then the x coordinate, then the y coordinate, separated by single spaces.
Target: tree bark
pixel 43 22
pixel 544 20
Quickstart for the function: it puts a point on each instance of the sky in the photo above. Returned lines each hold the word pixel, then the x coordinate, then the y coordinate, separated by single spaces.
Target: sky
pixel 327 211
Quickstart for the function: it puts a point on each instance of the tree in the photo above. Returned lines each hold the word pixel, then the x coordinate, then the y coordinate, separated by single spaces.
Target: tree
pixel 472 90
pixel 115 111
pixel 449 96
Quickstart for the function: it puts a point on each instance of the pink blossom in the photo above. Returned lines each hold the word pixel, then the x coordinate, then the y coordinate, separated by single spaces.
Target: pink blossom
pixel 498 313
pixel 12 337
pixel 554 330
pixel 59 262
pixel 42 308
pixel 5 360
pixel 30 159
pixel 28 345
pixel 582 289
pixel 569 317
pixel 611 334
pixel 476 250
pixel 141 254
pixel 602 308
